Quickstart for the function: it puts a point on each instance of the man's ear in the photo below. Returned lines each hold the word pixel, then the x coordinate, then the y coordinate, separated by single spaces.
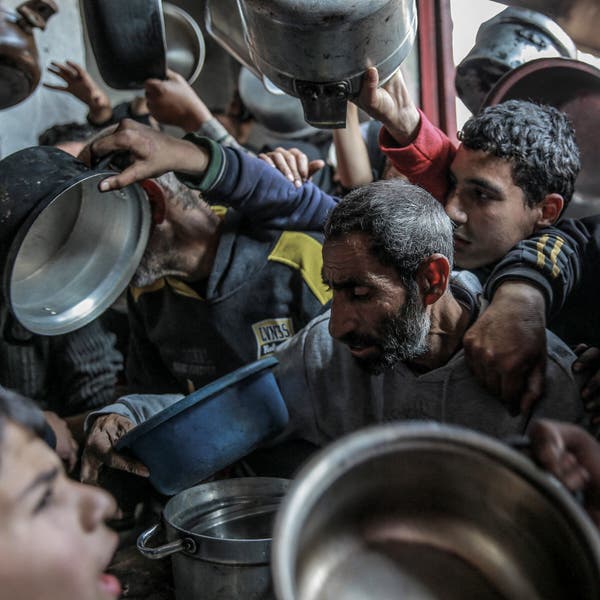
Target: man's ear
pixel 432 278
pixel 550 209
pixel 157 198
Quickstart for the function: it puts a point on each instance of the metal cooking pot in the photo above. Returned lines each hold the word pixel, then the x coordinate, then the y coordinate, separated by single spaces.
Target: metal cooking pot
pixel 19 67
pixel 185 43
pixel 425 511
pixel 128 40
pixel 318 50
pixel 219 537
pixel 68 250
pixel 508 40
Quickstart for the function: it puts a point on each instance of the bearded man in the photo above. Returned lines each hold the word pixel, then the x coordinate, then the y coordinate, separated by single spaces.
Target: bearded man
pixel 390 348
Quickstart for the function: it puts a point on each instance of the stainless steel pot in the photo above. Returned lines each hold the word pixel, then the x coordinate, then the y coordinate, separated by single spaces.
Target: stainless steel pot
pixel 511 38
pixel 68 250
pixel 431 512
pixel 318 50
pixel 219 537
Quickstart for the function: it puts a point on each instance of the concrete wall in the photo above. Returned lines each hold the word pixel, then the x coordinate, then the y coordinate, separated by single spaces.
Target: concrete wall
pixel 21 124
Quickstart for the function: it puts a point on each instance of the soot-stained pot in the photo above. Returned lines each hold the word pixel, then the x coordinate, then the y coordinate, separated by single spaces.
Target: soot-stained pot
pixel 68 251
pixel 128 39
pixel 19 67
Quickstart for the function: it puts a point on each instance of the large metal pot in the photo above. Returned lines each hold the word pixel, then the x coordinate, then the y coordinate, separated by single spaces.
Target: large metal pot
pixel 511 38
pixel 68 251
pixel 318 50
pixel 219 537
pixel 425 511
pixel 19 62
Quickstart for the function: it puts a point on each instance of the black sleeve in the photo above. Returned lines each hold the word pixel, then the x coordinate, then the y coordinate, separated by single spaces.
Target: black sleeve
pixel 553 259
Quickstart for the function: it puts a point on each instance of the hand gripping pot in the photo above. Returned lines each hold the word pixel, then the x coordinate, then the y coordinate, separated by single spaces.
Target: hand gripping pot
pixel 318 50
pixel 431 512
pixel 209 429
pixel 68 251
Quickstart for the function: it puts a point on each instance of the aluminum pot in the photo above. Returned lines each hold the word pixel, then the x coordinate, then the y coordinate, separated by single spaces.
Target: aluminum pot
pixel 68 250
pixel 511 38
pixel 19 61
pixel 425 511
pixel 219 537
pixel 318 50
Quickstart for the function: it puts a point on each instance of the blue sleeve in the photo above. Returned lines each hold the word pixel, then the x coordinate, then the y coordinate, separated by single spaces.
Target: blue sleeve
pixel 265 196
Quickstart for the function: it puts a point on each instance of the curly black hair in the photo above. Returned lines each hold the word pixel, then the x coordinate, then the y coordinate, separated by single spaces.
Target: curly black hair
pixel 538 140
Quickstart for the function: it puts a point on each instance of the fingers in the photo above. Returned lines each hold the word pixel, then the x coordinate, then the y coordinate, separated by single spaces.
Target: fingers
pixel 59 88
pixel 292 163
pixel 534 387
pixel 314 166
pixel 367 97
pixel 90 467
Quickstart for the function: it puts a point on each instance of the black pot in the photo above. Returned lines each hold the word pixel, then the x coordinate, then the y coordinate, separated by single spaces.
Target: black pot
pixel 68 251
pixel 128 40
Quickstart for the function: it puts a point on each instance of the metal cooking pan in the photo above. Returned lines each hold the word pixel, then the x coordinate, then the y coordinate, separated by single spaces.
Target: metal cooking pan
pixel 128 40
pixel 68 250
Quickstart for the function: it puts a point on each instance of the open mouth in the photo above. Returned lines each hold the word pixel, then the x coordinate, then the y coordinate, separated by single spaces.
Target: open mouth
pixel 109 584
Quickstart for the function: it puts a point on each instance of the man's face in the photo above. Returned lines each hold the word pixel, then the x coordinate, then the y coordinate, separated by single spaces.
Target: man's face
pixel 53 541
pixel 165 255
pixel 487 207
pixel 372 312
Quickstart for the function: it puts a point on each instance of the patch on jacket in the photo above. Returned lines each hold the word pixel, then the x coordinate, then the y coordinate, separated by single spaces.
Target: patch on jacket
pixel 270 333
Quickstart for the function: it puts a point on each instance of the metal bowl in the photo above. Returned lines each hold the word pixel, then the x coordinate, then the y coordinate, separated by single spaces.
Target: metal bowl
pixel 430 512
pixel 186 50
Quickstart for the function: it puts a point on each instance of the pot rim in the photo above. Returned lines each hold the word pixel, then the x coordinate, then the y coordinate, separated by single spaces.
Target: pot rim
pixel 340 457
pixel 44 204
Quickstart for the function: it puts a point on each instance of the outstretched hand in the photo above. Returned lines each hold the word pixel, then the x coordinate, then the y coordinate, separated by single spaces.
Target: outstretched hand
pixel 573 456
pixel 390 104
pixel 173 101
pixel 100 451
pixel 152 154
pixel 79 83
pixel 293 163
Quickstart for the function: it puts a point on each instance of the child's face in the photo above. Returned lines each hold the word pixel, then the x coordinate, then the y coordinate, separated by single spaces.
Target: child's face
pixel 53 541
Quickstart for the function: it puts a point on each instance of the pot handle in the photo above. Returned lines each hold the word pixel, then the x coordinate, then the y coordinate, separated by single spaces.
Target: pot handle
pixel 120 160
pixel 180 545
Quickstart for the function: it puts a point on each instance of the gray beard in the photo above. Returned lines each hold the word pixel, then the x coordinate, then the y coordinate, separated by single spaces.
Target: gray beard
pixel 402 337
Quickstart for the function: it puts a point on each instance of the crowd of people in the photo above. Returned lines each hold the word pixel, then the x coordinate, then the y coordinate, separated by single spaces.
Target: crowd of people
pixel 417 280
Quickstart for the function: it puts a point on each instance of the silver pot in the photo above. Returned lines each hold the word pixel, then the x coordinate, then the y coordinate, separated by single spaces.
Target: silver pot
pixel 511 38
pixel 68 250
pixel 423 511
pixel 318 50
pixel 219 537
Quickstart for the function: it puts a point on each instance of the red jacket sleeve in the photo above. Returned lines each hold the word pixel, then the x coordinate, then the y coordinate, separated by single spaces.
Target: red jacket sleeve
pixel 426 161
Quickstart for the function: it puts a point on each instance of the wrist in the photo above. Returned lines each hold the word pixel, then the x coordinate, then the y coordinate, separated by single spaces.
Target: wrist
pixel 195 119
pixel 193 160
pixel 99 115
pixel 406 128
pixel 525 293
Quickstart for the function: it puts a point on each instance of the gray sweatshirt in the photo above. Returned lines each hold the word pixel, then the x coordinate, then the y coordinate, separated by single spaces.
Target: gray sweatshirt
pixel 328 395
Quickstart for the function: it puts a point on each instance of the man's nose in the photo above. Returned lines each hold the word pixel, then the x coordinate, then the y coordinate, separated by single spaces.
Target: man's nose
pixel 95 506
pixel 455 209
pixel 342 319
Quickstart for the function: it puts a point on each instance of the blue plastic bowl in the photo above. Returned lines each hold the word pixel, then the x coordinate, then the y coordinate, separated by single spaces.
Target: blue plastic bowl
pixel 209 429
